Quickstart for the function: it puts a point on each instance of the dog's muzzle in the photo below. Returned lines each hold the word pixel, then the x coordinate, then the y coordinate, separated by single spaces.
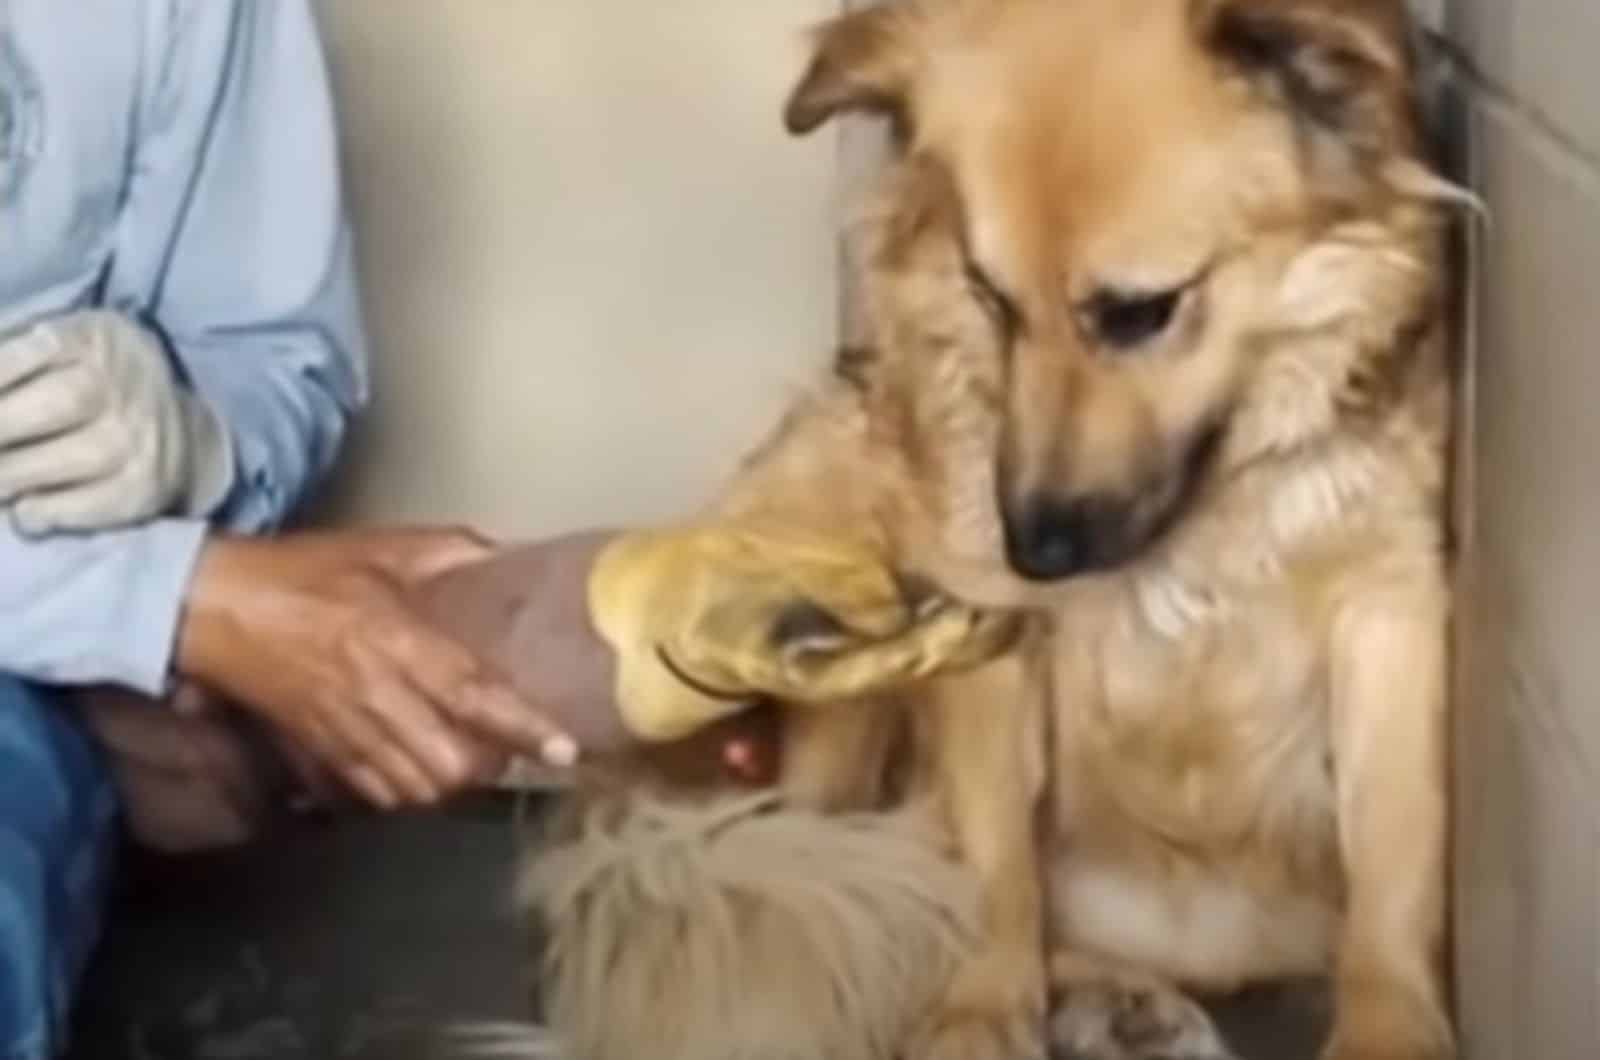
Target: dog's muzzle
pixel 1050 538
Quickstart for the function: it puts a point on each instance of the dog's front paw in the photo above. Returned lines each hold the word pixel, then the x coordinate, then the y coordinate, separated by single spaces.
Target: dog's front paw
pixel 1389 1024
pixel 995 1010
pixel 1132 1020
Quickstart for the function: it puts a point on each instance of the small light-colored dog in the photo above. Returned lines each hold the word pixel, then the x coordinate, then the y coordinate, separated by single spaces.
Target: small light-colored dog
pixel 1158 300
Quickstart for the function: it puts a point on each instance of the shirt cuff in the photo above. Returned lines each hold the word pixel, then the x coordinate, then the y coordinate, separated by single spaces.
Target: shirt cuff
pixel 153 605
pixel 272 429
pixel 212 471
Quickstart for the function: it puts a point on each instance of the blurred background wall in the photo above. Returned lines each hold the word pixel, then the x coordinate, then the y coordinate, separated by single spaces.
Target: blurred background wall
pixel 594 264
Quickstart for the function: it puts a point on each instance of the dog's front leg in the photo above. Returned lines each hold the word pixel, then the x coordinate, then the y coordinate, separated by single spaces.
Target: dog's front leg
pixel 834 759
pixel 1389 738
pixel 987 755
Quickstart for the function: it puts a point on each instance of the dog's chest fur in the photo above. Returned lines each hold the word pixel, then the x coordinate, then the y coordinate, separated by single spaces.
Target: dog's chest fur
pixel 1191 823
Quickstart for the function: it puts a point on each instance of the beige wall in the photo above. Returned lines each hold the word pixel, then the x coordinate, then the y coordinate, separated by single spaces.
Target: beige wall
pixel 593 263
pixel 1528 752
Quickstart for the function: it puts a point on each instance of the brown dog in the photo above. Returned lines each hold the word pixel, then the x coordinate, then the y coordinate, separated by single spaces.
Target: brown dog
pixel 1157 300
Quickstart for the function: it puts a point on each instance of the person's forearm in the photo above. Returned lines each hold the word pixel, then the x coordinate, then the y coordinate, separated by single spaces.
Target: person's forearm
pixel 237 244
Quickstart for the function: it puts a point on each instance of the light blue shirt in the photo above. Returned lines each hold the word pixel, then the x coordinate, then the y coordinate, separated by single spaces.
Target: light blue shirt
pixel 175 160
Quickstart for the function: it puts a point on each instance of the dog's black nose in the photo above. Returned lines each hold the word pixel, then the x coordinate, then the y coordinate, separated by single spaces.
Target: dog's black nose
pixel 1049 538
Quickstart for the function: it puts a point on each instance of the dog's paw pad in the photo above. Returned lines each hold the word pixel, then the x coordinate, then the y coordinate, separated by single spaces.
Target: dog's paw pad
pixel 1118 1022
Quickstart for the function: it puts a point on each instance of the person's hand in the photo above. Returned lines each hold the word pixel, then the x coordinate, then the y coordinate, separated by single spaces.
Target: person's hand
pixel 96 431
pixel 707 619
pixel 525 609
pixel 317 633
pixel 652 636
pixel 186 777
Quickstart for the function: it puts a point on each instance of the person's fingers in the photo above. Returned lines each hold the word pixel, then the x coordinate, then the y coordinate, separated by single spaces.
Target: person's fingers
pixel 502 716
pixel 226 759
pixel 370 785
pixel 177 814
pixel 145 736
pixel 313 778
pixel 395 764
pixel 361 740
pixel 393 761
pixel 29 356
pixel 416 727
pixel 101 504
pixel 139 730
pixel 452 678
pixel 58 463
pixel 48 403
pixel 489 762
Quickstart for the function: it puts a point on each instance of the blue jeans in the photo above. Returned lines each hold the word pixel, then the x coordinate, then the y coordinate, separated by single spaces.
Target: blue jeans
pixel 58 840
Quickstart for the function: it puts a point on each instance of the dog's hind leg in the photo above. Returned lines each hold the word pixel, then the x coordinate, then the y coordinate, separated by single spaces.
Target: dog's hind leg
pixel 986 754
pixel 1389 740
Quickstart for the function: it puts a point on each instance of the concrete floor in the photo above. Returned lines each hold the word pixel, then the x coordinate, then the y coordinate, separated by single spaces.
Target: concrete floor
pixel 356 939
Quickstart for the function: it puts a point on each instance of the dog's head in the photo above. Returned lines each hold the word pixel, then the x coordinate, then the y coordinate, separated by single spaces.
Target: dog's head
pixel 1124 204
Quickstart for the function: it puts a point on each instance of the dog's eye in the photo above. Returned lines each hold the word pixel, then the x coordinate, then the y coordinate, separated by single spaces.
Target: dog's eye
pixel 1001 309
pixel 1123 321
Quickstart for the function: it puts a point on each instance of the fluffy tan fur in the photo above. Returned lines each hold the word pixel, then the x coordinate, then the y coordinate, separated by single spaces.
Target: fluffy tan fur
pixel 1219 758
pixel 783 934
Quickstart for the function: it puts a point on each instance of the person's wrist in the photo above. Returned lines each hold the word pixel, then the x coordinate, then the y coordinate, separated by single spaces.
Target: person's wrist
pixel 209 629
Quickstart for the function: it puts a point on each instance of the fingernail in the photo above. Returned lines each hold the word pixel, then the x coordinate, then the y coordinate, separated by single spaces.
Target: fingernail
pixel 560 752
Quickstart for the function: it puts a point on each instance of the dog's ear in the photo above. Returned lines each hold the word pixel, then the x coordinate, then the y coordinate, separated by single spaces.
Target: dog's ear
pixel 1342 68
pixel 860 61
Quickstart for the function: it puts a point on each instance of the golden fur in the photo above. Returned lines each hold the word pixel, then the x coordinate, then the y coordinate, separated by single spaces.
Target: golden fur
pixel 1156 291
pixel 812 938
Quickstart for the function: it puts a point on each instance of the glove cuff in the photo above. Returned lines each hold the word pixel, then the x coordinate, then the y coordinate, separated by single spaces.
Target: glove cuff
pixel 211 469
pixel 636 577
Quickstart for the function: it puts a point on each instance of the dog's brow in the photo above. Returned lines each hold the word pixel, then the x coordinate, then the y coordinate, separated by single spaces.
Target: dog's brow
pixel 1012 320
pixel 1015 322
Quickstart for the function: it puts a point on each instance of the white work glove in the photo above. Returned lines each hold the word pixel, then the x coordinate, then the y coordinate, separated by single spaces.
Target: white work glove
pixel 97 432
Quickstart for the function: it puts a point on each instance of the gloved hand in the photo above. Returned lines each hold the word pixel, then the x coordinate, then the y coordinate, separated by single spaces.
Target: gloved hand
pixel 706 619
pixel 96 431
pixel 653 636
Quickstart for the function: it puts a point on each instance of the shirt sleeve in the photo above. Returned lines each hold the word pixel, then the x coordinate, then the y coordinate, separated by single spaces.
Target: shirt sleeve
pixel 96 608
pixel 233 245
pixel 237 248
